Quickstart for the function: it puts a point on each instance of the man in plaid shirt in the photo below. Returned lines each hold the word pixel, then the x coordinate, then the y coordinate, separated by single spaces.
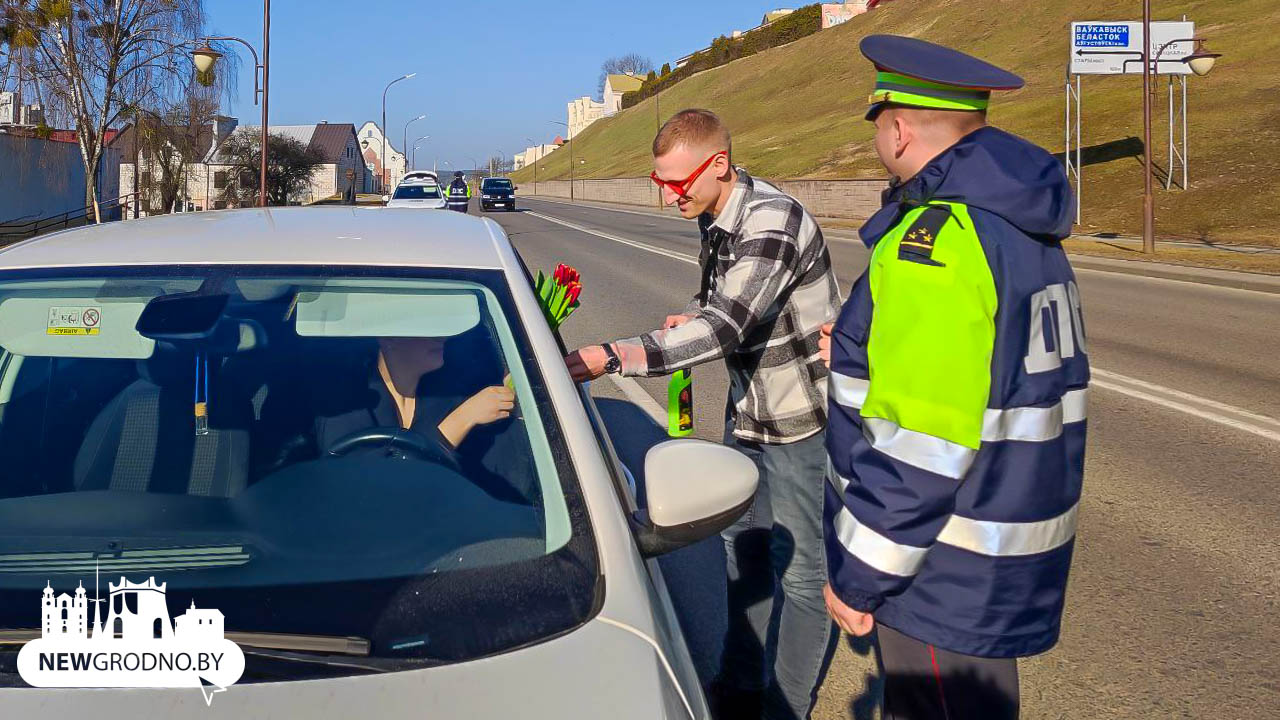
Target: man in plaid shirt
pixel 767 288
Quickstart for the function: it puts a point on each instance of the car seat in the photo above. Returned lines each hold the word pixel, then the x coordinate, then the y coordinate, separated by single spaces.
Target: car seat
pixel 144 440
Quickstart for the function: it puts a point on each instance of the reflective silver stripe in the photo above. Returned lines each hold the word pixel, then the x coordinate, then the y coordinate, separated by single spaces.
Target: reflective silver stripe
pixel 870 546
pixel 918 449
pixel 1034 424
pixel 1000 539
pixel 850 392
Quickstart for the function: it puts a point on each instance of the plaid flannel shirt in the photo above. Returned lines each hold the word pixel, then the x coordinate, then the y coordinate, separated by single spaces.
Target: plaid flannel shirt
pixel 767 288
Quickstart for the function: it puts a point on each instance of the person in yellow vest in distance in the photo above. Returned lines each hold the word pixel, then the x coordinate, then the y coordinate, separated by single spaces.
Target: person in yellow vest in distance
pixel 458 194
pixel 957 396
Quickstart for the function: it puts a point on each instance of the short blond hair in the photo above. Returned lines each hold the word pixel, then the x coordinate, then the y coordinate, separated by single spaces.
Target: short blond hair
pixel 692 128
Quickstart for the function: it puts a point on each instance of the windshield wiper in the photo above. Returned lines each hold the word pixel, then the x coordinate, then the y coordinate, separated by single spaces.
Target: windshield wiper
pixel 320 644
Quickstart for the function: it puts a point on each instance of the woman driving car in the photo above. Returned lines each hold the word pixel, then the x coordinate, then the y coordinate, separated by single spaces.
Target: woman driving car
pixel 400 396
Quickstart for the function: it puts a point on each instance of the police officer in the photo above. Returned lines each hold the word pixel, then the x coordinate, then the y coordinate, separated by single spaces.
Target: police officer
pixel 957 413
pixel 458 195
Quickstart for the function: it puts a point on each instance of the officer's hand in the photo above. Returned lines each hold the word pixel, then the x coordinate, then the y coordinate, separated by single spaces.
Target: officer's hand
pixel 675 321
pixel 586 363
pixel 824 343
pixel 849 620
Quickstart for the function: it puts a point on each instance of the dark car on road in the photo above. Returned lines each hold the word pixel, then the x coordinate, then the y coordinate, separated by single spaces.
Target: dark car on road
pixel 497 193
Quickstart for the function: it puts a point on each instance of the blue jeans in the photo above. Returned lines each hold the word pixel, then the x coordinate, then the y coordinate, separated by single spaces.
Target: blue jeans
pixel 778 542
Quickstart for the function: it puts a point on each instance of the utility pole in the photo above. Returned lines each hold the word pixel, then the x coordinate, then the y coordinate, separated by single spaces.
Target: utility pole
pixel 1148 200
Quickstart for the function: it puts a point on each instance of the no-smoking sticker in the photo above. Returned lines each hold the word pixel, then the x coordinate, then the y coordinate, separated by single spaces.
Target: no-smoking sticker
pixel 75 321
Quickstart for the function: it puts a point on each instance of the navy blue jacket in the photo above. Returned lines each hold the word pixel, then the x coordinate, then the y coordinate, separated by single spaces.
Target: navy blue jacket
pixel 957 405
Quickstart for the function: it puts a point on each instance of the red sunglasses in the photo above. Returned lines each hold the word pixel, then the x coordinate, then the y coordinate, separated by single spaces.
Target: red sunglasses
pixel 681 189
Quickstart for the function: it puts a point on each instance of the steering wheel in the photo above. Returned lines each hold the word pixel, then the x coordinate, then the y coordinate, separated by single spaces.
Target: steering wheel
pixel 412 443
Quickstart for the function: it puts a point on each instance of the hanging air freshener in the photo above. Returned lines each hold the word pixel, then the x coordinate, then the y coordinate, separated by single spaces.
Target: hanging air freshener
pixel 202 394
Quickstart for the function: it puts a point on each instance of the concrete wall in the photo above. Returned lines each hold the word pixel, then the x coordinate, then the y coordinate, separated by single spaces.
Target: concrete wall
pixel 854 199
pixel 39 178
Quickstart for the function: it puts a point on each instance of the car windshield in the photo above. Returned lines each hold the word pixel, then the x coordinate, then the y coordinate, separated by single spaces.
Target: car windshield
pixel 496 184
pixel 344 453
pixel 417 192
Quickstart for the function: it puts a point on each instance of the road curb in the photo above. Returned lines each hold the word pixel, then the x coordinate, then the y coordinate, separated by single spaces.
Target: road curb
pixel 1239 280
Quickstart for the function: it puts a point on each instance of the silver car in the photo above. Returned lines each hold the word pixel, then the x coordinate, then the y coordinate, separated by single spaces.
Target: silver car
pixel 259 409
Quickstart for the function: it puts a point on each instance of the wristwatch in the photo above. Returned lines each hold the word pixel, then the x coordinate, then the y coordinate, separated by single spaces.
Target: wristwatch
pixel 614 363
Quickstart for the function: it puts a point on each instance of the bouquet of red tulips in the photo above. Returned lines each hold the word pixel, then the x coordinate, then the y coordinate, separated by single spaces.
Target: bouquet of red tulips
pixel 558 294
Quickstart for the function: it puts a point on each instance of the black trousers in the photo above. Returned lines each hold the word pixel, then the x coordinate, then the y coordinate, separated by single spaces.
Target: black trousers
pixel 923 682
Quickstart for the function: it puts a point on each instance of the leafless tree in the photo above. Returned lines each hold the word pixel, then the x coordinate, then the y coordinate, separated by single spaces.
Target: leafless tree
pixel 634 63
pixel 170 141
pixel 95 61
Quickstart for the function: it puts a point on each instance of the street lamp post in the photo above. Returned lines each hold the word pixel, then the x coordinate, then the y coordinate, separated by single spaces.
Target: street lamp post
pixel 416 143
pixel 404 140
pixel 536 148
pixel 205 57
pixel 1201 63
pixel 570 143
pixel 383 129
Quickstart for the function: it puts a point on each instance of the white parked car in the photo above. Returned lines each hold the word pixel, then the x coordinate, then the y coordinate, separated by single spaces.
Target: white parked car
pixel 420 194
pixel 254 408
pixel 421 176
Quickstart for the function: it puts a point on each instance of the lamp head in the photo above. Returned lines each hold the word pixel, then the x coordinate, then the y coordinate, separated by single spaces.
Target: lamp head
pixel 1202 62
pixel 204 57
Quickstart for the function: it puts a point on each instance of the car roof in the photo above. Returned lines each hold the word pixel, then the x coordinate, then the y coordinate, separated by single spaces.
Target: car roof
pixel 324 235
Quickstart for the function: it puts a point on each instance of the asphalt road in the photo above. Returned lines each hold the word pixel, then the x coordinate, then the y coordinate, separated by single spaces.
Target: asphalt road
pixel 1173 600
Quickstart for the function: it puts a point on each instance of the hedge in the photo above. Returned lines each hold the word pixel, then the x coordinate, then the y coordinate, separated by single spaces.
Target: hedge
pixel 804 21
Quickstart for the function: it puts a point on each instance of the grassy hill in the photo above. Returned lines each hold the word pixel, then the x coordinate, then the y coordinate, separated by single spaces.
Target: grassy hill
pixel 796 111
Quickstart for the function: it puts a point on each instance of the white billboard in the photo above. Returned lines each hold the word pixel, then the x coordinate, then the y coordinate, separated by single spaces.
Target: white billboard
pixel 1115 48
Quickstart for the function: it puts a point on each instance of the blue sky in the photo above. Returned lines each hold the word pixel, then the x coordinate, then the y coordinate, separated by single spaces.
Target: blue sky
pixel 489 74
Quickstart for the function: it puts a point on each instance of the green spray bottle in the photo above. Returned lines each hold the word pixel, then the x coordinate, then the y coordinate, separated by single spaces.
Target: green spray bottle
pixel 680 404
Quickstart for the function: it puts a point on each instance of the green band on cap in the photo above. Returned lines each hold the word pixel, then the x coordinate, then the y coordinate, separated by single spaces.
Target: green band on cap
pixel 904 90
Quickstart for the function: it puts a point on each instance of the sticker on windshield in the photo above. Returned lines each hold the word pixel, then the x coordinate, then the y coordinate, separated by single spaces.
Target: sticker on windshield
pixel 75 320
pixel 131 643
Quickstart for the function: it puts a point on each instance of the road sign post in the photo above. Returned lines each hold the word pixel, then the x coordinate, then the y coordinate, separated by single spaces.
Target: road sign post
pixel 1120 48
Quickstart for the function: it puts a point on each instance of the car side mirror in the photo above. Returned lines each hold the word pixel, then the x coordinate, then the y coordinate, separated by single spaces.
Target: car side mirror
pixel 694 489
pixel 515 187
pixel 386 198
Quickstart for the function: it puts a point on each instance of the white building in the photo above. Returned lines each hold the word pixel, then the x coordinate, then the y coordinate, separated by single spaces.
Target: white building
pixel 614 88
pixel 64 615
pixel 370 137
pixel 583 112
pixel 533 154
pixel 136 611
pixel 206 180
pixel 199 624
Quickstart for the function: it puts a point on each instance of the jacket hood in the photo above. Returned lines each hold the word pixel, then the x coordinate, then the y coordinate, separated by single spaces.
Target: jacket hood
pixel 992 170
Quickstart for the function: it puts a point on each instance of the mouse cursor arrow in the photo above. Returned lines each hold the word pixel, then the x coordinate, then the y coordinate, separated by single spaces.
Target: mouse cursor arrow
pixel 208 689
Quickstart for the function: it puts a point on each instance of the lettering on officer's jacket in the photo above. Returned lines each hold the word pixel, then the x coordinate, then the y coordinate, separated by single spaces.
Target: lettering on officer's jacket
pixel 917 244
pixel 1056 307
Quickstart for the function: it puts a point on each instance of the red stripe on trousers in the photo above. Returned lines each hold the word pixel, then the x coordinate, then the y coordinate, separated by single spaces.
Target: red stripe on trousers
pixel 937 675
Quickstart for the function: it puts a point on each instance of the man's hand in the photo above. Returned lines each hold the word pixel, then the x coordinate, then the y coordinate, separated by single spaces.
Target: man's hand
pixel 849 620
pixel 675 321
pixel 824 344
pixel 586 363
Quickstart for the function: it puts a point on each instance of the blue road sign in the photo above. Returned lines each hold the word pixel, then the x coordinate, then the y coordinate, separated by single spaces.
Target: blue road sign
pixel 1102 35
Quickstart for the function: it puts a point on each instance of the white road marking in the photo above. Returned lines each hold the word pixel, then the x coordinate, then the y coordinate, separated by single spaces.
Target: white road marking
pixel 1212 410
pixel 1201 407
pixel 649 248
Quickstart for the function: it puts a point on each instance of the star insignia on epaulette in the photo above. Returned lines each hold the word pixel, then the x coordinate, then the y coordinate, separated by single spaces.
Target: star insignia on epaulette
pixel 917 244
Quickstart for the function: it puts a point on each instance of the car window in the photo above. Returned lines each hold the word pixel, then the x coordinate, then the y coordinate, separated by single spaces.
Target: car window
pixel 337 453
pixel 417 192
pixel 496 184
